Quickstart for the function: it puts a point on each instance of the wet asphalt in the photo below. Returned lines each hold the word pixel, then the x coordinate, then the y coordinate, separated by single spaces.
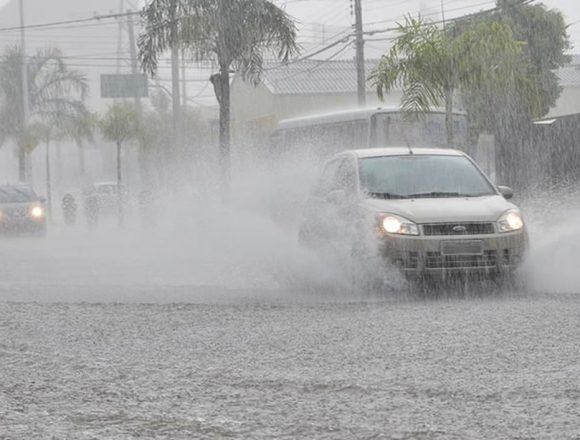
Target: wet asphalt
pixel 487 367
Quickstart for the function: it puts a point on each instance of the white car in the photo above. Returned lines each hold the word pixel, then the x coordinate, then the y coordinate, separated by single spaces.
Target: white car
pixel 427 211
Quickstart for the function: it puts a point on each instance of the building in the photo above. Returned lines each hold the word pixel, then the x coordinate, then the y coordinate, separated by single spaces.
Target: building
pixel 569 101
pixel 298 89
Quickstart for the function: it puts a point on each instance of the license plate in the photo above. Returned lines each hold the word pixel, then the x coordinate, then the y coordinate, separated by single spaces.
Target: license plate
pixel 462 247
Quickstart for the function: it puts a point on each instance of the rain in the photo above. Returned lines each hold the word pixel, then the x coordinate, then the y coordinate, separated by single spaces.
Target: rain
pixel 177 264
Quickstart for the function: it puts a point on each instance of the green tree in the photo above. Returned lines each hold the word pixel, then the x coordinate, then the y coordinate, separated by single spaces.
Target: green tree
pixel 545 37
pixel 235 33
pixel 506 113
pixel 54 92
pixel 120 124
pixel 432 64
pixel 78 129
pixel 156 137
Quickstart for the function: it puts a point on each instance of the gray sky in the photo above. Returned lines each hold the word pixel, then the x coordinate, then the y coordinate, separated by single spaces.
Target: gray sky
pixel 94 48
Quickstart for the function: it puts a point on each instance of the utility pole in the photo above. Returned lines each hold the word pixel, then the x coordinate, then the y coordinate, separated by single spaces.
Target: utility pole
pixel 22 156
pixel 120 37
pixel 360 55
pixel 143 165
pixel 133 54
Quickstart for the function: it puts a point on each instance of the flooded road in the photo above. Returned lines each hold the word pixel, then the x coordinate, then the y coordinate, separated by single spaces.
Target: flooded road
pixel 473 368
pixel 123 334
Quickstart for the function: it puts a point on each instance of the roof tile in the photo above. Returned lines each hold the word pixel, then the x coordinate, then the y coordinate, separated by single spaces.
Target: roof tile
pixel 316 76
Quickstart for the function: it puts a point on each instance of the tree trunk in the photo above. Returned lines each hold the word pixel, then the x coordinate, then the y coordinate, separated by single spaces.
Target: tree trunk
pixel 59 168
pixel 120 213
pixel 82 162
pixel 449 117
pixel 177 113
pixel 225 135
pixel 21 164
pixel 28 162
pixel 119 174
pixel 48 181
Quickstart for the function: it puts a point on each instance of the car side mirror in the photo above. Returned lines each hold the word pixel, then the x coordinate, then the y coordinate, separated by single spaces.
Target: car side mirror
pixel 506 191
pixel 337 197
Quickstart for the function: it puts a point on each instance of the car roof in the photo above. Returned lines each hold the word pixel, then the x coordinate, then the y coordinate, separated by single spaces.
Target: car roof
pixel 348 115
pixel 402 151
pixel 17 185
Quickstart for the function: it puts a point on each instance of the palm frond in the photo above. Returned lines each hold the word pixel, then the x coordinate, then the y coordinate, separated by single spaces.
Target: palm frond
pixel 55 90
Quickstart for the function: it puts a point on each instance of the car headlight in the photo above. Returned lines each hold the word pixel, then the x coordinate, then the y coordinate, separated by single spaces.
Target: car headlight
pixel 394 224
pixel 510 221
pixel 37 212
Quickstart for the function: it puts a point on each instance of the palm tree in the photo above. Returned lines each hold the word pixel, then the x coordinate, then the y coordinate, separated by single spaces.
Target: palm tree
pixel 78 128
pixel 235 33
pixel 54 92
pixel 120 124
pixel 431 64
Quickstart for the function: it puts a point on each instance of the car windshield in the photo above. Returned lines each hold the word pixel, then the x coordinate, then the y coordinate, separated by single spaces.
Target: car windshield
pixel 422 176
pixel 16 195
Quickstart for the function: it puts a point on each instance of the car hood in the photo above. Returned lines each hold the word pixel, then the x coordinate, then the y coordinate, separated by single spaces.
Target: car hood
pixel 18 205
pixel 442 210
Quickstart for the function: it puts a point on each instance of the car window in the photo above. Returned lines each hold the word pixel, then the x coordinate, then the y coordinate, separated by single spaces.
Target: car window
pixel 327 181
pixel 346 177
pixel 423 176
pixel 16 195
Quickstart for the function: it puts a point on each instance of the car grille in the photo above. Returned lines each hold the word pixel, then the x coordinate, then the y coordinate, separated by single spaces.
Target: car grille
pixel 15 213
pixel 407 260
pixel 458 229
pixel 436 260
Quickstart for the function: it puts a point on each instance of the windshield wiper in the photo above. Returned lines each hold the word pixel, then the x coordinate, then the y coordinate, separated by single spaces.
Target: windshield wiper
pixel 385 195
pixel 435 195
pixel 441 194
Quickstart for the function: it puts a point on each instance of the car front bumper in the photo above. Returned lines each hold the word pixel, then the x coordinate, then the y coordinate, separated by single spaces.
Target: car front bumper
pixel 440 256
pixel 22 225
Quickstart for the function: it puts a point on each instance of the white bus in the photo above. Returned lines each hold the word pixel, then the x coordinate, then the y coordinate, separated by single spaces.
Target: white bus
pixel 326 134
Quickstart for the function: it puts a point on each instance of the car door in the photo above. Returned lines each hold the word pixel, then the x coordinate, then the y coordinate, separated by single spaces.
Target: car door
pixel 327 211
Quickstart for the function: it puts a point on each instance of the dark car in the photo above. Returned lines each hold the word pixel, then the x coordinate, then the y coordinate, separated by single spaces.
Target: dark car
pixel 21 210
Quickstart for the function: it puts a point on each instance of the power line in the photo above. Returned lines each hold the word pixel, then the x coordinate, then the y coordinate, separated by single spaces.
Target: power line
pixel 65 22
pixel 438 12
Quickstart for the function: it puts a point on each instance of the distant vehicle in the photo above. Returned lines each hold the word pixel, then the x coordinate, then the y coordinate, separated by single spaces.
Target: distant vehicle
pixel 430 212
pixel 21 210
pixel 327 134
pixel 104 197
